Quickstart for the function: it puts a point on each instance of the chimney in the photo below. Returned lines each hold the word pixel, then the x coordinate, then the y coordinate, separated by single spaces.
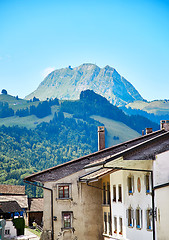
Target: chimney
pixel 101 138
pixel 164 124
pixel 149 130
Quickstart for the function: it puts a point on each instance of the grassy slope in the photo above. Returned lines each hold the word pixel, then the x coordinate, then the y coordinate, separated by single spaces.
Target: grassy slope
pixel 159 107
pixel 115 128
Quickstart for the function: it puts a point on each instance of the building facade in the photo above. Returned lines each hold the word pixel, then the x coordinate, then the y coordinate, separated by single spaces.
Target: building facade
pixel 115 193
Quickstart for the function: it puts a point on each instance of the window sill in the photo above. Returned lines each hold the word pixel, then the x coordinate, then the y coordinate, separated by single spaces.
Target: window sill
pixel 68 228
pixel 105 205
pixel 149 230
pixel 64 199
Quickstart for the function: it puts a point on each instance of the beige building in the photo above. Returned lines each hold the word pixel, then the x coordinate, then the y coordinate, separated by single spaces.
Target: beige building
pixel 104 195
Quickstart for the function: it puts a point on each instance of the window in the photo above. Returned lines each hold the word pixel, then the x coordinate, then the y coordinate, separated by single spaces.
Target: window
pixel 115 224
pixel 104 193
pixel 109 223
pixel 120 226
pixel 67 219
pixel 149 219
pixel 130 182
pixel 108 193
pixel 63 191
pixel 120 194
pixel 147 183
pixel 7 231
pixel 138 218
pixel 130 217
pixel 114 193
pixel 105 222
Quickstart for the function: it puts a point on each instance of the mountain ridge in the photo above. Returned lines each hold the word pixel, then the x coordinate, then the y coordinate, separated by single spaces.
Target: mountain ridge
pixel 67 83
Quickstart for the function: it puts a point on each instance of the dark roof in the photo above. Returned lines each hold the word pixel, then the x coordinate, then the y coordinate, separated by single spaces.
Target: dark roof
pixel 35 204
pixel 10 206
pixel 68 168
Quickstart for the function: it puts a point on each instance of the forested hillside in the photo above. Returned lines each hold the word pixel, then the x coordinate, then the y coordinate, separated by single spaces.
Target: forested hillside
pixel 70 134
pixel 24 151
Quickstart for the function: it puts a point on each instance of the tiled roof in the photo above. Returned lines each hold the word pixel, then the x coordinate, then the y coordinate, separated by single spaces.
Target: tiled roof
pixel 9 206
pixel 96 157
pixel 12 189
pixel 35 204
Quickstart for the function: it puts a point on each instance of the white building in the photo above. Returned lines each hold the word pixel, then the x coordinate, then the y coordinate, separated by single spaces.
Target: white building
pixel 134 179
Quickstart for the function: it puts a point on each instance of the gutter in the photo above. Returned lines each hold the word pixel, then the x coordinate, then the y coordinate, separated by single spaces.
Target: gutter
pixel 28 182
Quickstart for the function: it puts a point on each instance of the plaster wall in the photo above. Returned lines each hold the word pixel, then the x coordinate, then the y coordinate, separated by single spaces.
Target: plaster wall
pixel 137 199
pixel 161 173
pixel 85 204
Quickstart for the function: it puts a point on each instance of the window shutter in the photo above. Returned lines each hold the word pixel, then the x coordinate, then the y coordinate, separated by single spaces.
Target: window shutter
pixel 141 218
pixel 127 214
pixel 132 216
pixel 132 182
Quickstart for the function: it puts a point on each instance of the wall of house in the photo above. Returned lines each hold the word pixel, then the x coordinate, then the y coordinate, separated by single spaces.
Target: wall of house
pixel 9 227
pixel 161 173
pixel 85 205
pixel 136 199
pixel 105 206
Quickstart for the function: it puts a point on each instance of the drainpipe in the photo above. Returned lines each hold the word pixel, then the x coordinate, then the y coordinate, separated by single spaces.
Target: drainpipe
pixel 152 184
pixel 52 232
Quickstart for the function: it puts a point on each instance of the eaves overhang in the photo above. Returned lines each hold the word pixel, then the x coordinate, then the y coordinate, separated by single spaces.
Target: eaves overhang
pixel 122 154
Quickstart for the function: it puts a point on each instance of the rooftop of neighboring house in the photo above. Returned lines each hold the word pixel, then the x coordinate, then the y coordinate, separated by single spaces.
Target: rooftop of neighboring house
pixel 12 189
pixel 142 148
pixel 35 204
pixel 22 200
pixel 9 206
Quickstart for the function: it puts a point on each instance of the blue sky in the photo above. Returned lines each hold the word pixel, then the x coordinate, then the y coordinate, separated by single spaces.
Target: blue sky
pixel 37 36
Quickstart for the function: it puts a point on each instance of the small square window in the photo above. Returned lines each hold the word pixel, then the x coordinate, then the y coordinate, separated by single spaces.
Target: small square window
pixel 7 231
pixel 67 219
pixel 63 191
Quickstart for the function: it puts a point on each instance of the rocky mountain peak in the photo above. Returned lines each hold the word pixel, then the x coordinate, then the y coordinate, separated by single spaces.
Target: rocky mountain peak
pixel 67 83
